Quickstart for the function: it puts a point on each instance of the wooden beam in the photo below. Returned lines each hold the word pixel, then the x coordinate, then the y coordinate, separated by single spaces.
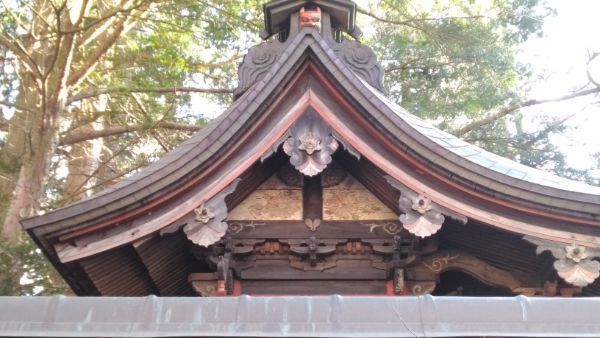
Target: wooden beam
pixel 168 263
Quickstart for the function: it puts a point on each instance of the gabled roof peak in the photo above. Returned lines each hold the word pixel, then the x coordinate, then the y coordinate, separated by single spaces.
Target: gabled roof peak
pixel 357 57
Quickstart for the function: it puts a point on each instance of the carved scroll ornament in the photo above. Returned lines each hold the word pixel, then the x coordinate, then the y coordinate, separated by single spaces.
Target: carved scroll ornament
pixel 256 64
pixel 363 61
pixel 574 263
pixel 309 144
pixel 208 225
pixel 420 216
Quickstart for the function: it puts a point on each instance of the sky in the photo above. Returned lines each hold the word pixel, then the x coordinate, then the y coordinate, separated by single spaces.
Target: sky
pixel 559 58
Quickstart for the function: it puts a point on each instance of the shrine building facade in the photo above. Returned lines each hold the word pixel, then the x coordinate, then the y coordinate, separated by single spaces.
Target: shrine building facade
pixel 314 183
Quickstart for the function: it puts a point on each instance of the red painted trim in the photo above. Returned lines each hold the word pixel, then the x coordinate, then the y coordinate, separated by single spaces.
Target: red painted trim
pixel 190 184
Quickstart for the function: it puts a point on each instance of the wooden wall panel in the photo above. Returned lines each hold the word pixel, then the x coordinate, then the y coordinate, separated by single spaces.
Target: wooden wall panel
pixel 119 272
pixel 350 200
pixel 272 200
pixel 168 263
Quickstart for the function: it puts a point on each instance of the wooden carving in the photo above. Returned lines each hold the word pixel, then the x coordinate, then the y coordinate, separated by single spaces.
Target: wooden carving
pixel 256 64
pixel 390 228
pixel 310 18
pixel 208 225
pixel 420 216
pixel 310 144
pixel 574 263
pixel 312 224
pixel 363 61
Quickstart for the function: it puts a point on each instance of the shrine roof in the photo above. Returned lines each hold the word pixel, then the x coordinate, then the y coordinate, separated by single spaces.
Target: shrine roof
pixel 483 172
pixel 481 158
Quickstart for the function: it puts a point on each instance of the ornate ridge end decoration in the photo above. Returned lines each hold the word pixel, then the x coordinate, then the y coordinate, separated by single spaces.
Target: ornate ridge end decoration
pixel 256 64
pixel 421 217
pixel 574 263
pixel 362 60
pixel 208 225
pixel 310 144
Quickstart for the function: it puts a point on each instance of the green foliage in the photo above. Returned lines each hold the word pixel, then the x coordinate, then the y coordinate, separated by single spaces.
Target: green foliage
pixel 24 271
pixel 453 59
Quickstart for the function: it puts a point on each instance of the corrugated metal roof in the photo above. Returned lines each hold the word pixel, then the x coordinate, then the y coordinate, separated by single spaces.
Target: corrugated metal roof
pixel 324 316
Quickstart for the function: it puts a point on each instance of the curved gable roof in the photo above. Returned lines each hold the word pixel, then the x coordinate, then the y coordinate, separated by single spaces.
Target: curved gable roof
pixel 307 73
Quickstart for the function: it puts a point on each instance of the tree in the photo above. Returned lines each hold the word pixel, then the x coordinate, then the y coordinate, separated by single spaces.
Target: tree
pixel 98 72
pixel 453 63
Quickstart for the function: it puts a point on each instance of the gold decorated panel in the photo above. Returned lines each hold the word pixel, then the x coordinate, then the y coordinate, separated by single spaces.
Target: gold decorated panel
pixel 272 201
pixel 350 200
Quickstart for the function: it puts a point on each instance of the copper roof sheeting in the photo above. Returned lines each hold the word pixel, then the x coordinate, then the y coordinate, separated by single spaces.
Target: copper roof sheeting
pixel 322 316
pixel 480 157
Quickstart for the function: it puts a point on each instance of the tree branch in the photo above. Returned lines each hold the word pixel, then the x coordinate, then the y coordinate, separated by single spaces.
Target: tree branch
pixel 127 90
pixel 118 130
pixel 21 54
pixel 121 26
pixel 511 109
pixel 408 23
pixel 17 107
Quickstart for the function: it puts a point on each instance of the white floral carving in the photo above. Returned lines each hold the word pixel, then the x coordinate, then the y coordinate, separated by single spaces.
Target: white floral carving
pixel 574 263
pixel 576 252
pixel 203 214
pixel 419 225
pixel 577 274
pixel 309 143
pixel 421 204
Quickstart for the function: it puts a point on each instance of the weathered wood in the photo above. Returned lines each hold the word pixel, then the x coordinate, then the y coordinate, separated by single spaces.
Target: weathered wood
pixel 432 266
pixel 312 202
pixel 350 200
pixel 168 263
pixel 119 272
pixel 262 229
pixel 270 203
pixel 254 177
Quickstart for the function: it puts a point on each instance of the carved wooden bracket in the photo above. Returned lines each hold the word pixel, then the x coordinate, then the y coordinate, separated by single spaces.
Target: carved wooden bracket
pixel 208 225
pixel 574 263
pixel 421 216
pixel 310 144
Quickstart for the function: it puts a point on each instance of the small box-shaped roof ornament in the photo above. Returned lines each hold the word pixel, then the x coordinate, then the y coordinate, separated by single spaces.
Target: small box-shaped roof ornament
pixel 277 14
